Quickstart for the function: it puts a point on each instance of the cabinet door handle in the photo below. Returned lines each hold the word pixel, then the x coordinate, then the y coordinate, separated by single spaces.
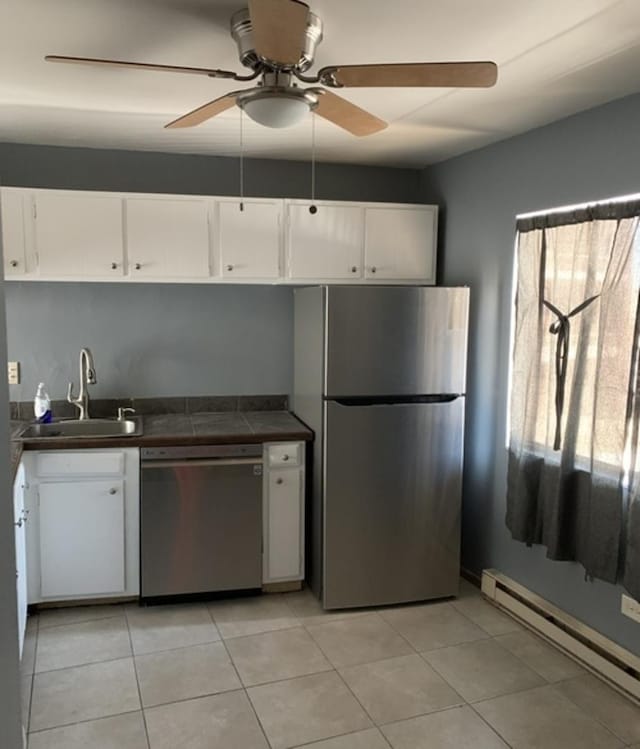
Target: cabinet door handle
pixel 354 268
pixel 285 458
pixel 13 263
pixel 279 481
pixel 229 267
pixel 114 266
pixel 137 266
pixel 113 491
pixel 373 268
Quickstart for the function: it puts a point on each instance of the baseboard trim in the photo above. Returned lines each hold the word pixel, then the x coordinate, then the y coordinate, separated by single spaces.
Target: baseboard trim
pixel 597 653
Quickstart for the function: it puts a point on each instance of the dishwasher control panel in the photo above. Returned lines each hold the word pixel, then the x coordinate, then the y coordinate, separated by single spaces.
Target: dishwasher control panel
pixel 197 452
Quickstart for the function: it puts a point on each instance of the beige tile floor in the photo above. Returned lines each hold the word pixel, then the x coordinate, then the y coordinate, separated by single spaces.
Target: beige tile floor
pixel 276 672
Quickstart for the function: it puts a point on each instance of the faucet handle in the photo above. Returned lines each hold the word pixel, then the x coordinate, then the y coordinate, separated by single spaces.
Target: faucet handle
pixel 122 411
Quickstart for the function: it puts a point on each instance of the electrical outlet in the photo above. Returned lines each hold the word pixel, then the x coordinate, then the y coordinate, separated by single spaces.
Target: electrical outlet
pixel 13 369
pixel 631 608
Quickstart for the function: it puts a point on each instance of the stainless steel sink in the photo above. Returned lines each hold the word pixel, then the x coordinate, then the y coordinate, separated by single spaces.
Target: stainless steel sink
pixel 74 428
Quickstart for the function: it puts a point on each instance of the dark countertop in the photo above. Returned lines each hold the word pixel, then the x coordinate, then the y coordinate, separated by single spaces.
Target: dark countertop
pixel 217 428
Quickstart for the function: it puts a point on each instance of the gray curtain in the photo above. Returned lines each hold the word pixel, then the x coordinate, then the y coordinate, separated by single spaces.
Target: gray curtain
pixel 573 417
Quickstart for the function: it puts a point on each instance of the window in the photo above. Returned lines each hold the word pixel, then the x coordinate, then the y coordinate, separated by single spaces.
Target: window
pixel 572 402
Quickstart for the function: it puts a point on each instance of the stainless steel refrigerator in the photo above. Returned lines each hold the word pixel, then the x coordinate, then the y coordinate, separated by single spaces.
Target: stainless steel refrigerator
pixel 380 377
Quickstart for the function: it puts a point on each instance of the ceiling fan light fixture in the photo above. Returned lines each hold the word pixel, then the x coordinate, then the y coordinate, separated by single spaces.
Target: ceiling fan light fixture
pixel 278 108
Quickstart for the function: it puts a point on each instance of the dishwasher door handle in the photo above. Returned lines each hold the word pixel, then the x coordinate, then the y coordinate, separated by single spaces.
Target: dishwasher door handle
pixel 195 463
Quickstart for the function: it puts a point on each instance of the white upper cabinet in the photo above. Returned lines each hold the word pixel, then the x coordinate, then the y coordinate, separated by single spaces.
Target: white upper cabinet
pixel 78 235
pixel 249 240
pixel 327 244
pixel 400 243
pixel 64 235
pixel 13 232
pixel 168 237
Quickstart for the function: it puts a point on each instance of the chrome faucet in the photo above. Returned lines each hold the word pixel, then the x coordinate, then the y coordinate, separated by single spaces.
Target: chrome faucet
pixel 87 377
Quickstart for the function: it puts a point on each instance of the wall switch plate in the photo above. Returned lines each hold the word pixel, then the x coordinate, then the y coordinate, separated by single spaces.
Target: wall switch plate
pixel 631 607
pixel 13 369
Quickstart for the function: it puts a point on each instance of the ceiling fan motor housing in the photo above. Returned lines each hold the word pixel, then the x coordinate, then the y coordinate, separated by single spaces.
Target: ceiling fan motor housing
pixel 242 33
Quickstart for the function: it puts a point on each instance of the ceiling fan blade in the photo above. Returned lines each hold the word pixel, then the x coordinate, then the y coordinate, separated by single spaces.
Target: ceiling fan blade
pixel 346 115
pixel 205 112
pixel 437 74
pixel 278 28
pixel 212 73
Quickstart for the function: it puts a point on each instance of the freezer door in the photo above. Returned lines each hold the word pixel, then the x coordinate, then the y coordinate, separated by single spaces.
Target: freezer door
pixel 392 503
pixel 396 341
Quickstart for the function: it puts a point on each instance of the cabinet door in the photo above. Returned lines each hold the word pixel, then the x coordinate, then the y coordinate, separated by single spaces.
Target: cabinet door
pixel 327 244
pixel 284 542
pixel 400 243
pixel 78 235
pixel 13 234
pixel 167 238
pixel 82 538
pixel 249 240
pixel 20 517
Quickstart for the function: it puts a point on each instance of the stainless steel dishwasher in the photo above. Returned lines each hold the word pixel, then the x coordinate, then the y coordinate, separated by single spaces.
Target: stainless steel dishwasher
pixel 200 519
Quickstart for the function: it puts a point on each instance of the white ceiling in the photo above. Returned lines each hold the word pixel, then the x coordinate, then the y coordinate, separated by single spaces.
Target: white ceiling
pixel 555 58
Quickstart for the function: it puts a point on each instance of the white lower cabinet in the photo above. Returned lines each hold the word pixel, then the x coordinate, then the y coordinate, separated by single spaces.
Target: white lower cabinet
pixel 20 516
pixel 83 531
pixel 82 537
pixel 283 555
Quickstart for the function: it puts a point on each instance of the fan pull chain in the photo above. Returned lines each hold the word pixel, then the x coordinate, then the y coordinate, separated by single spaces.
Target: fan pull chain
pixel 313 208
pixel 241 160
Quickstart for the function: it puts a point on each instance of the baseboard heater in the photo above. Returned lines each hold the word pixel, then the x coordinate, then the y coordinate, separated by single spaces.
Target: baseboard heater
pixel 597 653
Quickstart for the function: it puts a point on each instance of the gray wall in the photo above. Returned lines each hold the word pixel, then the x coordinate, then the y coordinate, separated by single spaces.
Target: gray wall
pixel 137 171
pixel 587 157
pixel 162 340
pixel 152 339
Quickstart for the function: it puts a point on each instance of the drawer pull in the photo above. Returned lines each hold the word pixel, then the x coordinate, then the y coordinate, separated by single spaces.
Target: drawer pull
pixel 279 481
pixel 285 457
pixel 113 491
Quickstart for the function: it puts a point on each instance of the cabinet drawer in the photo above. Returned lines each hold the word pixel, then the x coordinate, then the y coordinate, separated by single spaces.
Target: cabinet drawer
pixel 289 454
pixel 79 463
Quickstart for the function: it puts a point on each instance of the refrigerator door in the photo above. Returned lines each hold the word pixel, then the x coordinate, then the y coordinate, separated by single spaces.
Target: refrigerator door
pixel 395 340
pixel 392 491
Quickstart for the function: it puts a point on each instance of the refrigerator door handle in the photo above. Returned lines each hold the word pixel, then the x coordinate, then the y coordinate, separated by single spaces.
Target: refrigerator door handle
pixel 395 400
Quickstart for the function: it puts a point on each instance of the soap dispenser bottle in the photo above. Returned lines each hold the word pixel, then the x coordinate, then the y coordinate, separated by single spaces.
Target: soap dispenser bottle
pixel 42 405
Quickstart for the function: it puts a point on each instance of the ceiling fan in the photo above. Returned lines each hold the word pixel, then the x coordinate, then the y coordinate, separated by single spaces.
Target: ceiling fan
pixel 277 40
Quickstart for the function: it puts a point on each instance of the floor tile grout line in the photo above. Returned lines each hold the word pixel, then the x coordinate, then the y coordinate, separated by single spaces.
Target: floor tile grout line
pixel 33 673
pixel 264 632
pixel 244 688
pixel 529 666
pixel 492 728
pixel 86 720
pixel 111 615
pixel 82 665
pixel 135 672
pixel 484 699
pixel 316 742
pixel 593 717
pixel 419 652
pixel 239 688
